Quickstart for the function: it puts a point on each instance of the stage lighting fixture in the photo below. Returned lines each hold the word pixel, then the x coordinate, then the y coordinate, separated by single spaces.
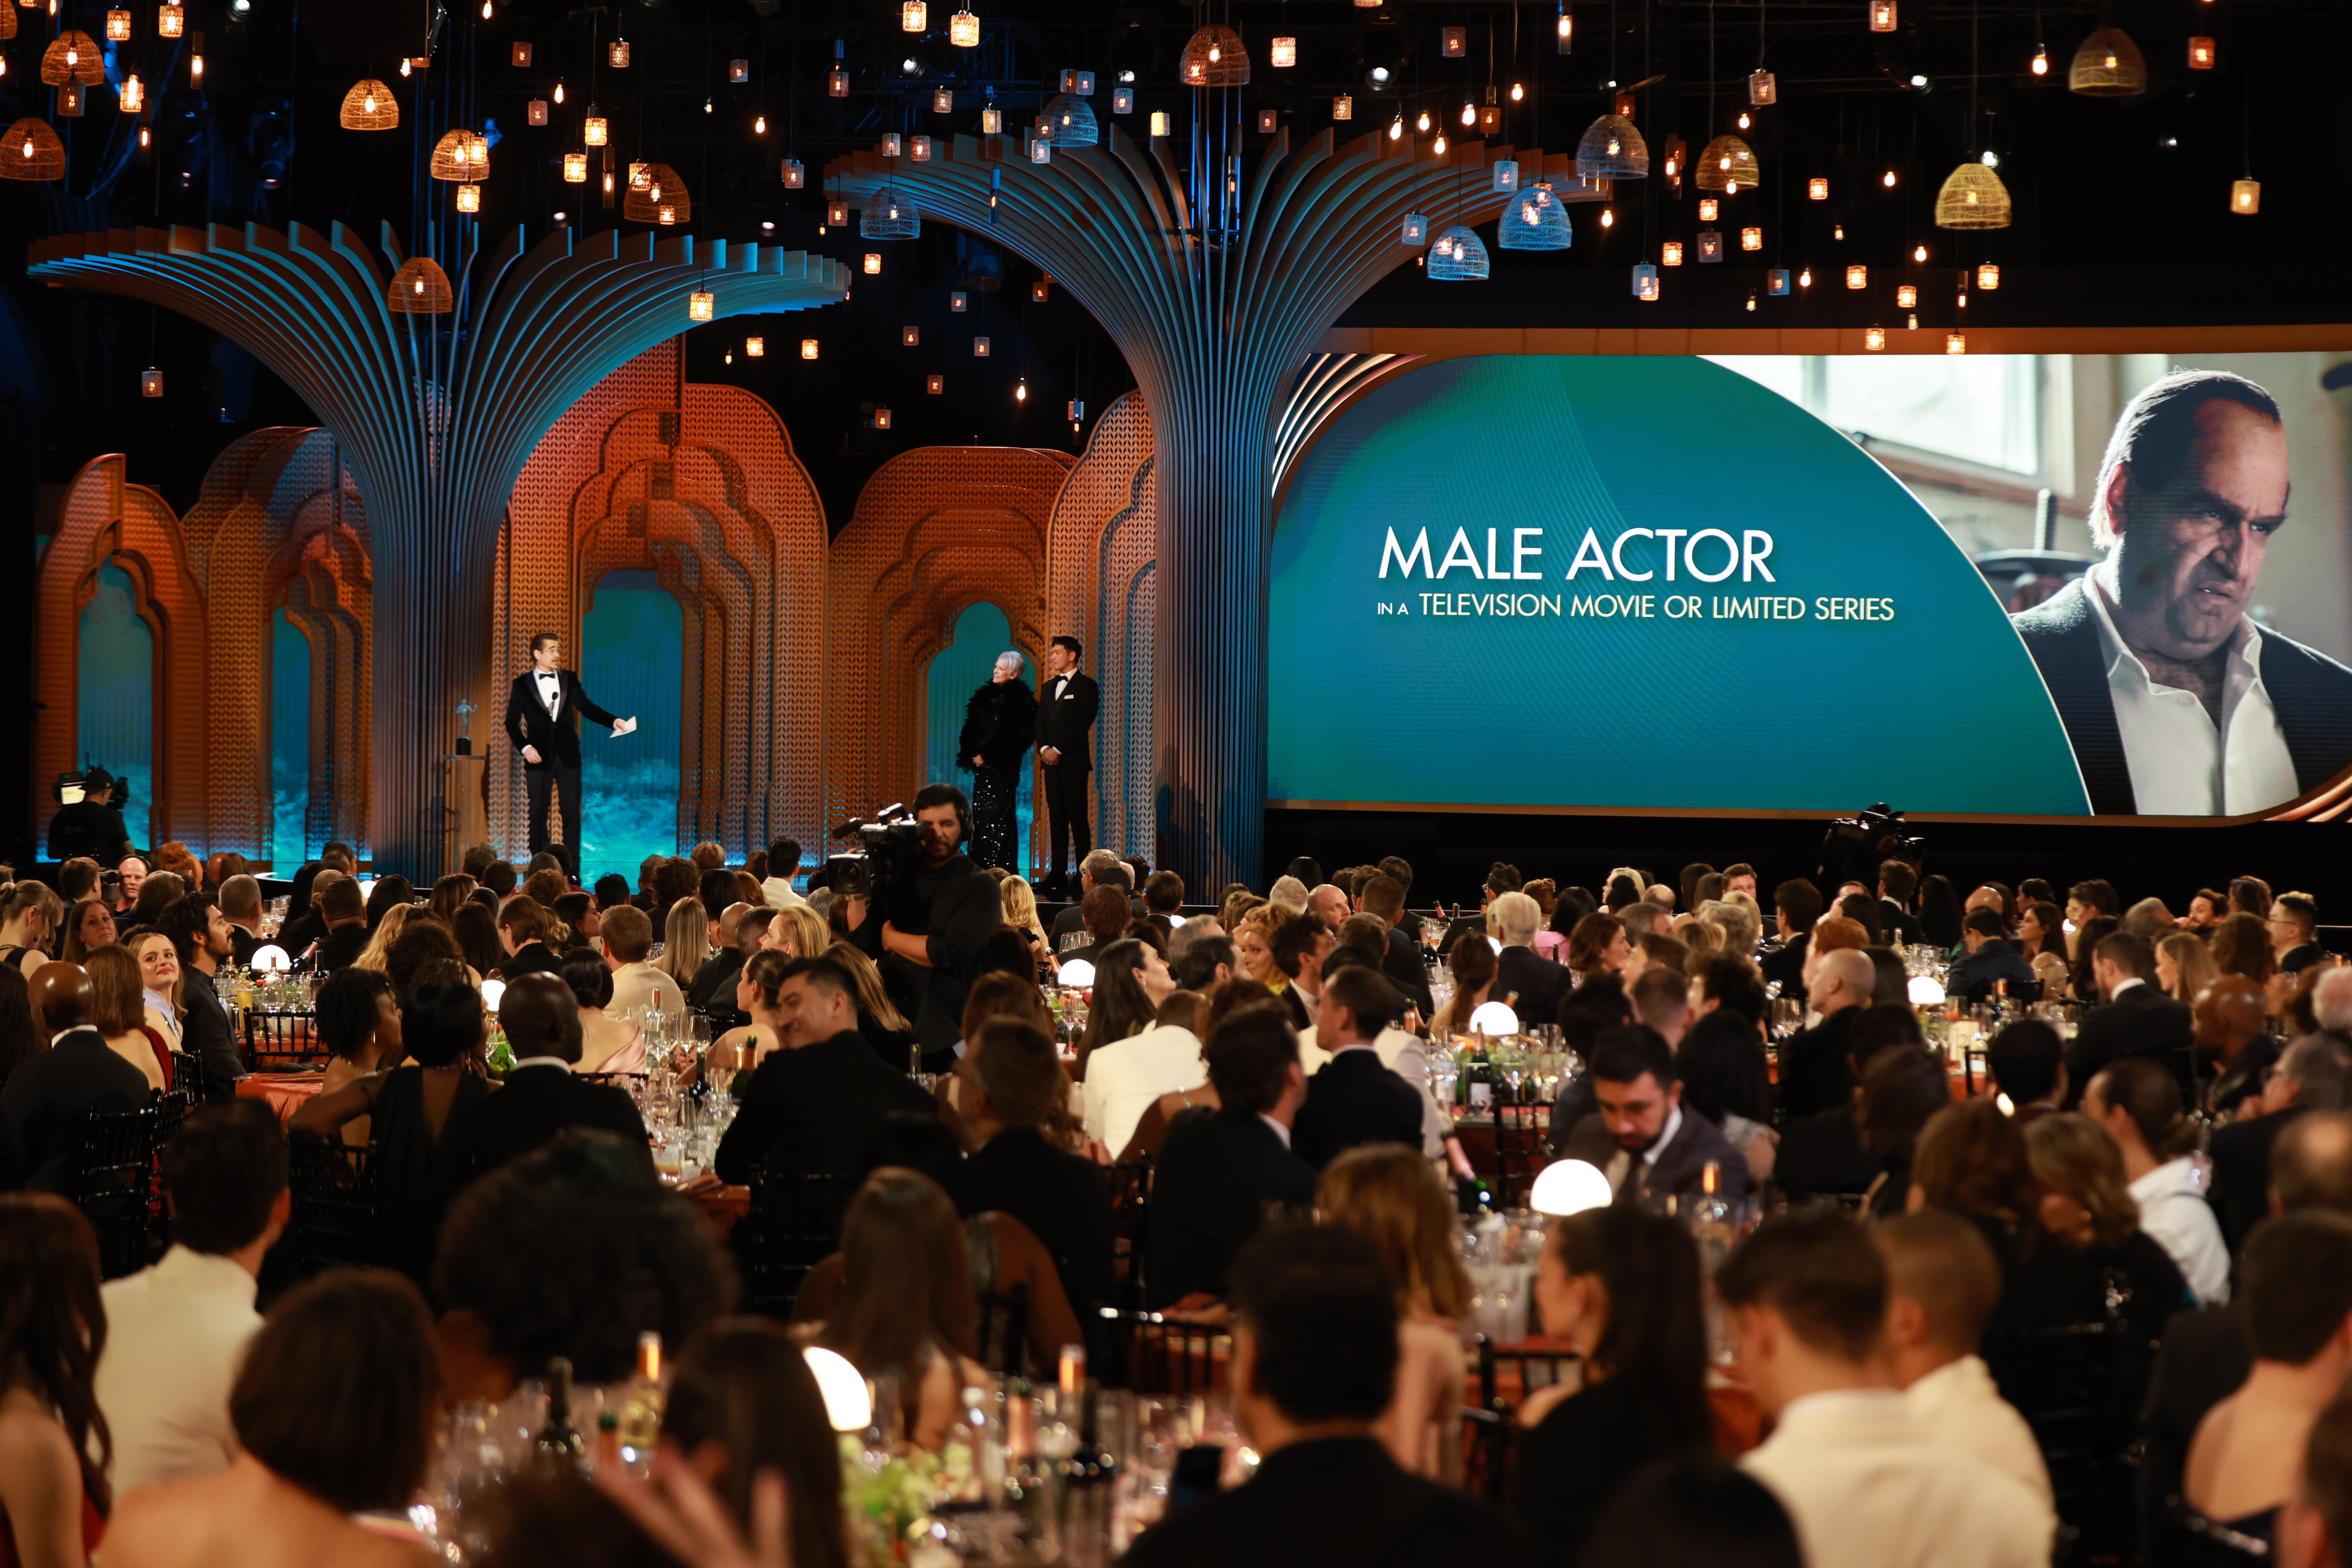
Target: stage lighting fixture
pixel 808 348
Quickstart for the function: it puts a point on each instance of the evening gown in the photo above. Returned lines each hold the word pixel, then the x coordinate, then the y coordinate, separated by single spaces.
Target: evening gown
pixel 1000 725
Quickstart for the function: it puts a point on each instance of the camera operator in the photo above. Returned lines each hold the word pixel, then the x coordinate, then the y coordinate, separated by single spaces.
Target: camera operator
pixel 92 825
pixel 940 918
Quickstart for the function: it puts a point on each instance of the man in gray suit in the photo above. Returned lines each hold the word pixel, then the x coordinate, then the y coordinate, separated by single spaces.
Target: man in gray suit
pixel 1644 1138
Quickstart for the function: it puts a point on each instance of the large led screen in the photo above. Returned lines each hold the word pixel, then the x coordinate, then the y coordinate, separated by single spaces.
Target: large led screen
pixel 1662 583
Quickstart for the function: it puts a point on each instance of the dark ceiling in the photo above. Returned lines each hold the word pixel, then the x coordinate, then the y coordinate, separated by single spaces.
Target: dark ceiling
pixel 2122 205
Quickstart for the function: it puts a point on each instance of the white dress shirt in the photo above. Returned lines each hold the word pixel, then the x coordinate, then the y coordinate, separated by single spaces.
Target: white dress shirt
pixel 634 986
pixel 550 690
pixel 2173 1210
pixel 1964 1412
pixel 1407 1056
pixel 1867 1487
pixel 1125 1077
pixel 2181 765
pixel 173 1334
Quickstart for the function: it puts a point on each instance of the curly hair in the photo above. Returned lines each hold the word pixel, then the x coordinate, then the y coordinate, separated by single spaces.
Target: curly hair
pixel 574 1250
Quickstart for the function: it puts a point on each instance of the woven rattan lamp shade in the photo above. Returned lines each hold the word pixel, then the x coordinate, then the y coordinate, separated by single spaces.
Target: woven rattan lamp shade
pixel 1611 149
pixel 1728 165
pixel 420 289
pixel 370 106
pixel 8 22
pixel 1215 58
pixel 32 152
pixel 2109 65
pixel 461 156
pixel 663 188
pixel 72 56
pixel 1972 198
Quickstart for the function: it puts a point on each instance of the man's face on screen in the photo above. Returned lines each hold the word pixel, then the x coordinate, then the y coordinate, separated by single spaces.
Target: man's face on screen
pixel 2193 548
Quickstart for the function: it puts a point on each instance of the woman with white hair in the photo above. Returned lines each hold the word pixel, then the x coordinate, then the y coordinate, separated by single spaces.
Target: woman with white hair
pixel 1000 725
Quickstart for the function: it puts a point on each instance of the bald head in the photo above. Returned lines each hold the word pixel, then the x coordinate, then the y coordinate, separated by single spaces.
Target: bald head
pixel 1329 901
pixel 1985 898
pixel 1844 978
pixel 2227 1014
pixel 540 1016
pixel 2331 999
pixel 2311 1164
pixel 63 997
pixel 1659 894
pixel 729 921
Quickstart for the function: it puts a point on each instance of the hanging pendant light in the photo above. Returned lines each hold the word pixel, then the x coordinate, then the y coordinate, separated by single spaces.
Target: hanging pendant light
pixel 1535 219
pixel 1343 106
pixel 151 382
pixel 132 95
pixel 795 174
pixel 663 192
pixel 575 168
pixel 118 26
pixel 964 29
pixel 755 348
pixel 1763 88
pixel 594 131
pixel 1728 165
pixel 1645 283
pixel 370 106
pixel 2245 195
pixel 420 289
pixel 1972 198
pixel 1215 58
pixel 888 215
pixel 2109 65
pixel 618 55
pixel 914 16
pixel 702 305
pixel 170 21
pixel 73 57
pixel 1611 149
pixel 1459 256
pixel 460 156
pixel 1070 121
pixel 536 112
pixel 1282 54
pixel 470 198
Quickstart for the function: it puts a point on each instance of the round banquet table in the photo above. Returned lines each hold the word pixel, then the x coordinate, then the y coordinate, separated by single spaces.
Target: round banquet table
pixel 284 1093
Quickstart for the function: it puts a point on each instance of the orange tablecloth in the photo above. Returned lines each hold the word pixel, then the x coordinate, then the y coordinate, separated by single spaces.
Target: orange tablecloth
pixel 286 1092
pixel 723 1205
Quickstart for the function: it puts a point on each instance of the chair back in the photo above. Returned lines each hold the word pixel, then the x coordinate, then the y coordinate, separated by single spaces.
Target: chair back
pixel 1130 1211
pixel 1507 1375
pixel 188 1075
pixel 1153 1353
pixel 1520 1134
pixel 794 1223
pixel 114 1184
pixel 277 1041
pixel 2070 1384
pixel 333 1190
pixel 1004 1330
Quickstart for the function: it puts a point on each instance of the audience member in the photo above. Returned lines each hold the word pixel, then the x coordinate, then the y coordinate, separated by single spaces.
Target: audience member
pixel 1354 1098
pixel 336 1409
pixel 2135 1020
pixel 1815 1071
pixel 45 1099
pixel 1392 1198
pixel 2314 1074
pixel 2138 1104
pixel 175 1331
pixel 2294 923
pixel 2087 1206
pixel 811 1104
pixel 2314 1525
pixel 2184 965
pixel 1992 965
pixel 119 1011
pixel 342 922
pixel 607 1045
pixel 1314 1366
pixel 54 1445
pixel 1696 1510
pixel 1222 1167
pixel 742 1406
pixel 1299 948
pixel 1013 1081
pixel 2026 1061
pixel 1126 1078
pixel 2230 1022
pixel 1641 1138
pixel 1623 1287
pixel 1861 1478
pixel 1942 1284
pixel 906 1314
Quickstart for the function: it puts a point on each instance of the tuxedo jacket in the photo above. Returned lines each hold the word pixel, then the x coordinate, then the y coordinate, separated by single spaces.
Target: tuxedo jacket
pixel 1218 1175
pixel 1355 1100
pixel 2141 1021
pixel 2311 694
pixel 1066 719
pixel 556 735
pixel 808 1111
pixel 48 1094
pixel 533 1106
pixel 1681 1166
pixel 1541 984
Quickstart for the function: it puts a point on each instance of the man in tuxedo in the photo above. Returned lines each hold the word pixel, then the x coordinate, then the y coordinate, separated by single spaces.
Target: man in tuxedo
pixel 48 1093
pixel 240 901
pixel 343 912
pixel 2177 704
pixel 1642 1138
pixel 1298 950
pixel 812 1105
pixel 2136 1019
pixel 201 934
pixel 1314 1366
pixel 1222 1165
pixel 1066 718
pixel 1097 868
pixel 2027 1061
pixel 1012 1082
pixel 1796 905
pixel 2314 1074
pixel 1815 1074
pixel 1355 1099
pixel 2294 932
pixel 522 925
pixel 1898 882
pixel 1991 960
pixel 543 711
pixel 540 1097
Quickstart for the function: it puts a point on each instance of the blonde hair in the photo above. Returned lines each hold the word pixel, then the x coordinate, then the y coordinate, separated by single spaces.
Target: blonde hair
pixel 1020 905
pixel 2073 1155
pixel 1388 1195
pixel 2192 962
pixel 871 995
pixel 377 955
pixel 686 940
pixel 810 938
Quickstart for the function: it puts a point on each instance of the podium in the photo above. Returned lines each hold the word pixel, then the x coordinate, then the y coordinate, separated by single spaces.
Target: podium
pixel 465 807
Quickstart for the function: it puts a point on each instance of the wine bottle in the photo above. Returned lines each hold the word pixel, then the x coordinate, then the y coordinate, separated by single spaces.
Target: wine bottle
pixel 1090 1480
pixel 1479 1075
pixel 641 1407
pixel 559 1447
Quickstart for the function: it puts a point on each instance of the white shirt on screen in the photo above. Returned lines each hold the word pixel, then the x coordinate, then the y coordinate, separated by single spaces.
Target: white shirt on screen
pixel 1964 1412
pixel 1125 1077
pixel 1867 1487
pixel 2181 765
pixel 173 1334
pixel 2173 1210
